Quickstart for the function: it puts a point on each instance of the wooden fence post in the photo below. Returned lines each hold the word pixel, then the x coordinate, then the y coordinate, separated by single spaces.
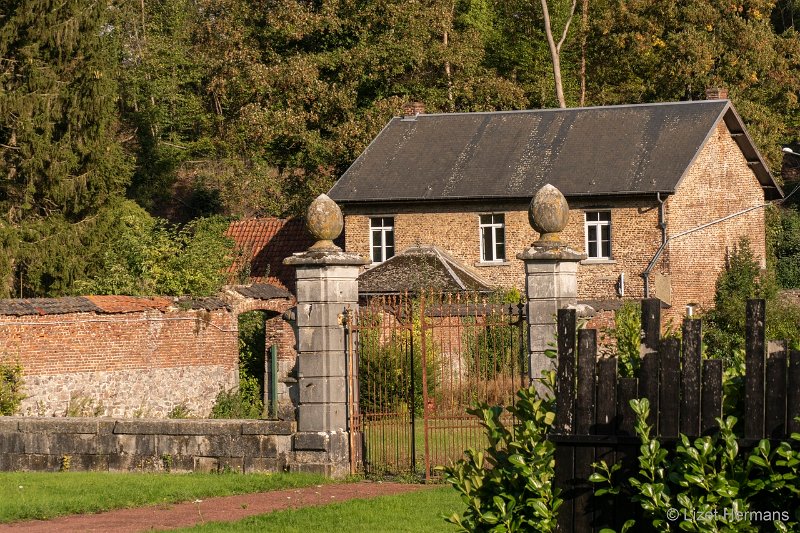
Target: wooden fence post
pixel 565 416
pixel 754 370
pixel 690 377
pixel 584 422
pixel 669 390
pixel 793 393
pixel 775 382
pixel 711 395
pixel 649 371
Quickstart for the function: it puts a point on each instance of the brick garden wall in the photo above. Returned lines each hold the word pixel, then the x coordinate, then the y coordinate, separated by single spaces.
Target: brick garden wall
pixel 131 357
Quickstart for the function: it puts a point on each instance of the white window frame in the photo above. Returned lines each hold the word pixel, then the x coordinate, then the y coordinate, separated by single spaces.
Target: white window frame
pixel 497 225
pixel 384 229
pixel 598 226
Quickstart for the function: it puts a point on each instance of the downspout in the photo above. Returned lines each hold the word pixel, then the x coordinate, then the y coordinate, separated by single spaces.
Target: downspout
pixel 662 223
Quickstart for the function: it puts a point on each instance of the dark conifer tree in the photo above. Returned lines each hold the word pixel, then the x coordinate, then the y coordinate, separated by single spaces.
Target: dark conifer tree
pixel 60 161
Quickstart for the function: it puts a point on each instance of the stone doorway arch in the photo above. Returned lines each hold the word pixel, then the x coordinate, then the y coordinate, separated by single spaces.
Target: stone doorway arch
pixel 279 385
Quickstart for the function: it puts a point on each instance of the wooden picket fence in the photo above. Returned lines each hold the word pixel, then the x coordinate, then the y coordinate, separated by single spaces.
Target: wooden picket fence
pixel 594 420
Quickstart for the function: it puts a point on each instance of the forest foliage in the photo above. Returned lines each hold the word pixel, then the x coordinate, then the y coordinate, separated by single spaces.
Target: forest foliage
pixel 195 108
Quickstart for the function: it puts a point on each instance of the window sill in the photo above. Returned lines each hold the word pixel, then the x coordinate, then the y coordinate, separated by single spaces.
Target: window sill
pixel 599 262
pixel 491 263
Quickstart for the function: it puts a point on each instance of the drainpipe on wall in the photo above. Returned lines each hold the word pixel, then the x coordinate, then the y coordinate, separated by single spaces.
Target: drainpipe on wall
pixel 662 223
pixel 652 264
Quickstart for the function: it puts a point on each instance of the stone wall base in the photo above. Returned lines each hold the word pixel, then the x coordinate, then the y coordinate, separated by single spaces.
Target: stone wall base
pixel 326 453
pixel 149 445
pixel 141 392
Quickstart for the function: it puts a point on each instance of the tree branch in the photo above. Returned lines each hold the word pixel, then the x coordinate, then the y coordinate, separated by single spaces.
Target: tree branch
pixel 566 26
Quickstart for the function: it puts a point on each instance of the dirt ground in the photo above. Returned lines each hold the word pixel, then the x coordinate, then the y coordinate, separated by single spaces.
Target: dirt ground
pixel 227 508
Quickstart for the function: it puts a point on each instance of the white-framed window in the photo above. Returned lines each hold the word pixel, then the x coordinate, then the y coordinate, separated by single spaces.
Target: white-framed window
pixel 598 234
pixel 493 238
pixel 381 238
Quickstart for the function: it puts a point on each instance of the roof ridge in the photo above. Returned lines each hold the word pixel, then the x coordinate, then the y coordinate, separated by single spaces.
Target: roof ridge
pixel 564 109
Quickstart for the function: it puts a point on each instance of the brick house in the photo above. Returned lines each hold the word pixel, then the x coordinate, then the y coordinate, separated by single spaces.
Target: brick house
pixel 659 194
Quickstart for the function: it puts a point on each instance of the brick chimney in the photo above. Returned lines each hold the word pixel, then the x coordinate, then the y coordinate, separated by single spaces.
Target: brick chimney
pixel 413 109
pixel 716 93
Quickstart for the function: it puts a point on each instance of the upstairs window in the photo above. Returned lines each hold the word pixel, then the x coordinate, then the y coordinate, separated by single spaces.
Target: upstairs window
pixel 381 238
pixel 598 234
pixel 493 238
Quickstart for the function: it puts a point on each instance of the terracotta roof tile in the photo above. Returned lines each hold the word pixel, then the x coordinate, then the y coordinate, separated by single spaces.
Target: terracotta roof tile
pixel 265 242
pixel 129 304
pixel 81 304
pixel 210 303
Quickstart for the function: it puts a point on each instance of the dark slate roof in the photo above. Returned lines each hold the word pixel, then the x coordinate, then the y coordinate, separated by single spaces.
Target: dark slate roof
pixel 417 269
pixel 263 291
pixel 46 306
pixel 611 150
pixel 81 304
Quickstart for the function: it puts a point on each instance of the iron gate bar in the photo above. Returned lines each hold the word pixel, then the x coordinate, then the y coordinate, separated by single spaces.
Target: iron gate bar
pixel 425 404
pixel 412 408
pixel 467 348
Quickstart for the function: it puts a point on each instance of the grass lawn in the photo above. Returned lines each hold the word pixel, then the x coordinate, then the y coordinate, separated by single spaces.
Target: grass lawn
pixel 415 512
pixel 42 495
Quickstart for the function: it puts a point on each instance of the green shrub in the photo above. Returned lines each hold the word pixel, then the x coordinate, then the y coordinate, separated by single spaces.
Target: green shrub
pixel 627 332
pixel 385 359
pixel 11 384
pixel 252 346
pixel 509 485
pixel 245 402
pixel 492 349
pixel 783 322
pixel 724 325
pixel 783 242
pixel 701 484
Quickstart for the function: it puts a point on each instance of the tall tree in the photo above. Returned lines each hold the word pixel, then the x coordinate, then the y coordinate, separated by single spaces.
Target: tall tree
pixel 168 114
pixel 555 47
pixel 60 161
pixel 302 87
pixel 672 50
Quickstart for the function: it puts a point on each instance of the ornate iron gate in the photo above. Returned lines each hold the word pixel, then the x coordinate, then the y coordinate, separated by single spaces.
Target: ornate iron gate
pixel 417 363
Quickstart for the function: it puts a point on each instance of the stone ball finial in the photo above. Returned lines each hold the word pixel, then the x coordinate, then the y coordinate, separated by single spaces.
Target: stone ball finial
pixel 548 214
pixel 325 222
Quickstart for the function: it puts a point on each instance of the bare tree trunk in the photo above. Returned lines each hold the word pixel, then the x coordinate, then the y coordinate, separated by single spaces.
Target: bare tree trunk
pixel 555 49
pixel 448 73
pixel 447 70
pixel 584 36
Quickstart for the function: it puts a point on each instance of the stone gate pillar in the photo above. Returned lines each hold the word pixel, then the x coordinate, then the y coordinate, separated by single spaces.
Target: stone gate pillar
pixel 326 286
pixel 551 269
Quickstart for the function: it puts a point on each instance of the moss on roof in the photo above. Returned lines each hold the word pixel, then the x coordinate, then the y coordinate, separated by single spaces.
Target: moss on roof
pixel 420 268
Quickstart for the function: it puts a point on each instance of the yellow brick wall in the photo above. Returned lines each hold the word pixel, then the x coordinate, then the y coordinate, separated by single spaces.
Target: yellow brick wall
pixel 635 238
pixel 718 184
